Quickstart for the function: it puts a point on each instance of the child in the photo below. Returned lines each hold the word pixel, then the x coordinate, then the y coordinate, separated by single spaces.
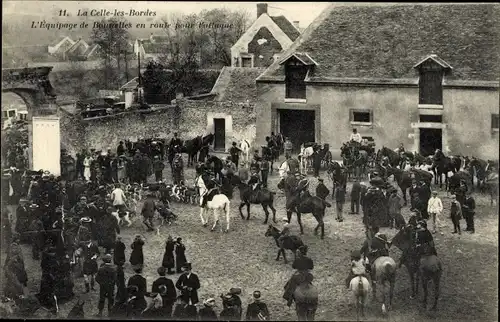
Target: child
pixel 357 267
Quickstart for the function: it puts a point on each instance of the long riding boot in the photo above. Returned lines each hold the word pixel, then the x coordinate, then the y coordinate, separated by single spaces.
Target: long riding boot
pixel 92 283
pixel 87 287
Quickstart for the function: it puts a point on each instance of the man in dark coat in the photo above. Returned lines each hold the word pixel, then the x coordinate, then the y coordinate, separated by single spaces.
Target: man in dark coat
pixel 109 229
pixel 355 197
pixel 139 281
pixel 340 200
pixel 234 152
pixel 147 212
pixel 165 287
pixel 257 311
pixel 38 237
pixel 90 268
pixel 106 277
pixel 302 262
pixel 120 150
pixel 188 283
pixel 264 171
pixel 175 141
pixel 468 211
pixel 316 162
pixel 119 252
pixel 413 194
pixel 158 167
pixel 321 190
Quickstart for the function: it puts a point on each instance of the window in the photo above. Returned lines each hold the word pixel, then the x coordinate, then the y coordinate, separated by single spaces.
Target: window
pixel 246 62
pixel 431 87
pixel 11 113
pixel 431 118
pixel 295 74
pixel 361 117
pixel 23 116
pixel 5 114
pixel 495 122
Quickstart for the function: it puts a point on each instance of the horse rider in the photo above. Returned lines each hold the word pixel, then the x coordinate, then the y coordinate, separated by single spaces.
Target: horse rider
pixel 379 247
pixel 254 180
pixel 424 242
pixel 355 137
pixel 210 184
pixel 283 171
pixel 272 146
pixel 285 232
pixel 402 157
pixel 357 267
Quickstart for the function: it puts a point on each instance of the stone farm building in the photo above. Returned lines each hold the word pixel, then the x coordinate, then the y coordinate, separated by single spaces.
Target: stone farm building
pixel 425 75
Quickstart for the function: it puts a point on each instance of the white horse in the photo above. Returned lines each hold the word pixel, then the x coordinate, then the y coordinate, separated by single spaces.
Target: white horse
pixel 218 204
pixel 305 158
pixel 245 148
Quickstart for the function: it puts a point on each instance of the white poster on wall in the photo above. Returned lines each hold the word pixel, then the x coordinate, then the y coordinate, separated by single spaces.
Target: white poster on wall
pixel 46 144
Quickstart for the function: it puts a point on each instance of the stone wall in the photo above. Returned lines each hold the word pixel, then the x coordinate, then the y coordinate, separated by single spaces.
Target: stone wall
pixel 105 133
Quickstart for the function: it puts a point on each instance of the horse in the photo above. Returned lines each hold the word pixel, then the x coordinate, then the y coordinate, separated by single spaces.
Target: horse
pixel 428 267
pixel 478 168
pixel 191 147
pixel 244 146
pixel 442 165
pixel 292 243
pixel 307 205
pixel 360 287
pixel 454 180
pixel 385 273
pixel 216 202
pixel 404 178
pixel 305 157
pixel 491 186
pixel 393 156
pixel 338 175
pixel 249 196
pixel 216 164
pixel 301 290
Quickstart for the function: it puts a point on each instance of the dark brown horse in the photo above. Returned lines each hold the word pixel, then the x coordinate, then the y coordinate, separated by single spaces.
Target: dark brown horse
pixel 427 266
pixel 260 196
pixel 480 169
pixel 442 165
pixel 193 146
pixel 304 203
pixel 291 242
pixel 393 156
pixel 404 178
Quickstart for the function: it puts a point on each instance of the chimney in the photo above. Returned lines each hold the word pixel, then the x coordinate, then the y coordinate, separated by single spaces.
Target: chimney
pixel 261 8
pixel 296 24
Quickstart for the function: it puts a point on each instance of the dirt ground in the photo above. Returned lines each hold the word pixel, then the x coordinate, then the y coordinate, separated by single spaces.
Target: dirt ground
pixel 245 258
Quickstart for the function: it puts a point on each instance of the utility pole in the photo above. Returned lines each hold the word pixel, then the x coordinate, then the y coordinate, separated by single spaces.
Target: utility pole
pixel 139 78
pixel 126 64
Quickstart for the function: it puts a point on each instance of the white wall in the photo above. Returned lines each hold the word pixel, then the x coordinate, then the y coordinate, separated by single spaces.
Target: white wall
pixel 46 144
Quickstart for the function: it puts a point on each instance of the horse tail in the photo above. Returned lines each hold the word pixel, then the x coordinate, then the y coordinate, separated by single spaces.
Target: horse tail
pixel 360 289
pixel 389 270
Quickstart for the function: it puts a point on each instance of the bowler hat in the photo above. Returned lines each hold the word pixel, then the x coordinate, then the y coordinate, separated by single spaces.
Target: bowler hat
pixel 187 266
pixel 256 294
pixel 107 258
pixel 85 220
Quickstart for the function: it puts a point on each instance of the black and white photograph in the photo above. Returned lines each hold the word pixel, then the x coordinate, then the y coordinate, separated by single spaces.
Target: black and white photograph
pixel 250 161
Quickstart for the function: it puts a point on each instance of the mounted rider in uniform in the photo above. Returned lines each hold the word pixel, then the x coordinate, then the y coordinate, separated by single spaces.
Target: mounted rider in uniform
pixel 206 183
pixel 254 180
pixel 379 247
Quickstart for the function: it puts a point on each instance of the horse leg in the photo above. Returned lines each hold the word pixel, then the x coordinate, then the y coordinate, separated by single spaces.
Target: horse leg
pixel 274 212
pixel 264 206
pixel 299 220
pixel 289 216
pixel 248 210
pixel 279 253
pixel 216 219
pixel 412 281
pixel 391 290
pixel 284 256
pixel 403 190
pixel 436 279
pixel 241 207
pixel 426 291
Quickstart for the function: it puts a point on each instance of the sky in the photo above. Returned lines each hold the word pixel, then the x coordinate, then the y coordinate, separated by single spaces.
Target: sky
pixel 305 12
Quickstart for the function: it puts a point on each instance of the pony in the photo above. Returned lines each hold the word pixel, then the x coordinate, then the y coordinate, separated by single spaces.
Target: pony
pixel 360 288
pixel 292 243
pixel 307 204
pixel 384 269
pixel 216 202
pixel 305 157
pixel 428 267
pixel 248 196
pixel 244 146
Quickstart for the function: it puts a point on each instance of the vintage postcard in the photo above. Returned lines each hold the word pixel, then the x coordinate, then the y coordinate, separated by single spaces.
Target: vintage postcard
pixel 251 161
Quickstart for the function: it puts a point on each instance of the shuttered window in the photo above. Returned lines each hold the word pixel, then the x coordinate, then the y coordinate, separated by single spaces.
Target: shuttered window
pixel 431 87
pixel 295 74
pixel 495 121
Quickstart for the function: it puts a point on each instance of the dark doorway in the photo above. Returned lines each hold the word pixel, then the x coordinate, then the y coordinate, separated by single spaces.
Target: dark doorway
pixel 430 140
pixel 220 134
pixel 298 125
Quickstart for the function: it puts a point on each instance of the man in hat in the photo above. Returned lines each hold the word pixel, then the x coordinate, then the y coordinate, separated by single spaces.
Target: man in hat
pixel 243 172
pixel 37 237
pixel 106 277
pixel 340 200
pixel 234 152
pixel 321 190
pixel 455 214
pixel 175 141
pixel 424 242
pixel 355 197
pixel 379 247
pixel 118 198
pixel 469 212
pixel 90 268
pixel 158 167
pixel 414 190
pixel 288 146
pixel 139 281
pixel 434 209
pixel 302 262
pixel 165 287
pixel 257 310
pixel 188 283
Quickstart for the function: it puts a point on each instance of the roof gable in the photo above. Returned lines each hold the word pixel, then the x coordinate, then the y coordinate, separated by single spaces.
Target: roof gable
pixel 304 58
pixel 435 59
pixel 287 27
pixel 387 41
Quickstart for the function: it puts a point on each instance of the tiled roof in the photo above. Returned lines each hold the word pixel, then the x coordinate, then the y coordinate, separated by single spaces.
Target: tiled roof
pixel 237 84
pixel 153 47
pixel 286 26
pixel 387 41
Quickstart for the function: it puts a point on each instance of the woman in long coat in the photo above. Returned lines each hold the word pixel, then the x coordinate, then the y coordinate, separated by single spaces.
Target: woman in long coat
pixel 180 255
pixel 137 255
pixel 168 257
